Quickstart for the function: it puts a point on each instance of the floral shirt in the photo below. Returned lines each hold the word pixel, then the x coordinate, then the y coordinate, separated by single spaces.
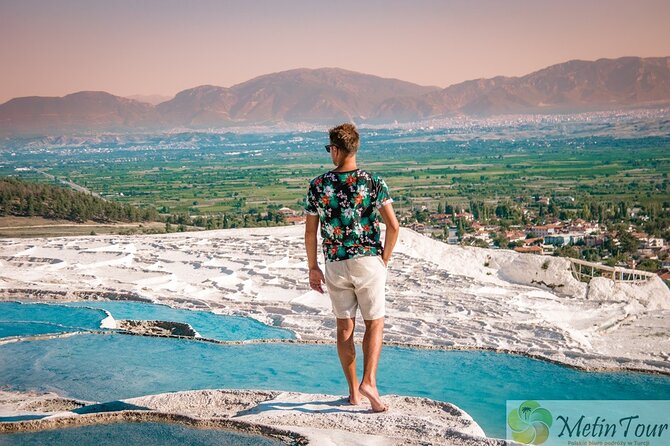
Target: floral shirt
pixel 345 203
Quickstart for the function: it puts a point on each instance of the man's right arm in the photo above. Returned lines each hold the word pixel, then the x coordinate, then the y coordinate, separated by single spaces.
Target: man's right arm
pixel 316 278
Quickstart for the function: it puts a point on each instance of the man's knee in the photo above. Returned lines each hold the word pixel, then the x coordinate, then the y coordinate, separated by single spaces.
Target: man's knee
pixel 345 329
pixel 374 324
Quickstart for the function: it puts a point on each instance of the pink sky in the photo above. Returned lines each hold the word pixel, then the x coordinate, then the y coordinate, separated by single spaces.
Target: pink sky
pixel 52 48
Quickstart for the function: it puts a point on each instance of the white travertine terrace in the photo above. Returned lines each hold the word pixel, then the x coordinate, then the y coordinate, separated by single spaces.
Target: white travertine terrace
pixel 438 296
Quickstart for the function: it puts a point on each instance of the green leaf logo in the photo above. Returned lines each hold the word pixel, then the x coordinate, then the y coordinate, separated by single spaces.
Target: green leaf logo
pixel 530 423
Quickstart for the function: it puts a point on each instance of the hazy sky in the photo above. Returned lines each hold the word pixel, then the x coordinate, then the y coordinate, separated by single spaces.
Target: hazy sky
pixel 56 47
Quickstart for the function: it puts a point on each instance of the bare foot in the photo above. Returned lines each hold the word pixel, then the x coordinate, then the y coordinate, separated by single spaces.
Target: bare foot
pixel 355 400
pixel 372 394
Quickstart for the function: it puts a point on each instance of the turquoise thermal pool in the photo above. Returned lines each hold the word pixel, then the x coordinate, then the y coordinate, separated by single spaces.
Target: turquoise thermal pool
pixel 111 367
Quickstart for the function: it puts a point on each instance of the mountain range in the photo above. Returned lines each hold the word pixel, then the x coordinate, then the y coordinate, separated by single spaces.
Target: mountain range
pixel 331 95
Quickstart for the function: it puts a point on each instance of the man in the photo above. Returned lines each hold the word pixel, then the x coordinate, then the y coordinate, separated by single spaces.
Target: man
pixel 345 201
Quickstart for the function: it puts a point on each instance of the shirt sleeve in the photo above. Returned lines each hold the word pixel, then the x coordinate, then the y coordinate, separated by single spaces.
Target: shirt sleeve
pixel 383 196
pixel 310 202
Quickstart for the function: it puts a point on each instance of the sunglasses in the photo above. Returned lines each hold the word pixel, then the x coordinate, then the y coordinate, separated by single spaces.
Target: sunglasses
pixel 329 146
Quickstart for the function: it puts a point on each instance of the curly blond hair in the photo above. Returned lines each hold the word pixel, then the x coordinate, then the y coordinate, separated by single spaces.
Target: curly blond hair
pixel 345 136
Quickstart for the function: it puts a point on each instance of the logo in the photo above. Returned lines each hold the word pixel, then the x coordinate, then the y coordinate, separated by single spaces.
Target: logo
pixel 530 423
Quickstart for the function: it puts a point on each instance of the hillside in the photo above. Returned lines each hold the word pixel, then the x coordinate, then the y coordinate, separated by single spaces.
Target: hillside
pixel 574 86
pixel 24 199
pixel 302 95
pixel 329 95
pixel 81 111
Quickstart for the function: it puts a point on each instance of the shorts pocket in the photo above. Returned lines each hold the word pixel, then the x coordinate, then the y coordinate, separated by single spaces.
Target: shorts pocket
pixel 382 261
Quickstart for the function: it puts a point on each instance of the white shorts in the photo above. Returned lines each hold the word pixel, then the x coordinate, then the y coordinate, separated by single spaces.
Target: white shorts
pixel 357 282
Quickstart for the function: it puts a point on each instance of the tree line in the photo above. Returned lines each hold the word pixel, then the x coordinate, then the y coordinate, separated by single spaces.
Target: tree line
pixel 26 199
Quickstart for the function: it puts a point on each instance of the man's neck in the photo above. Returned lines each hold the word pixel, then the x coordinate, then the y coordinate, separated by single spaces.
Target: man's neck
pixel 348 164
